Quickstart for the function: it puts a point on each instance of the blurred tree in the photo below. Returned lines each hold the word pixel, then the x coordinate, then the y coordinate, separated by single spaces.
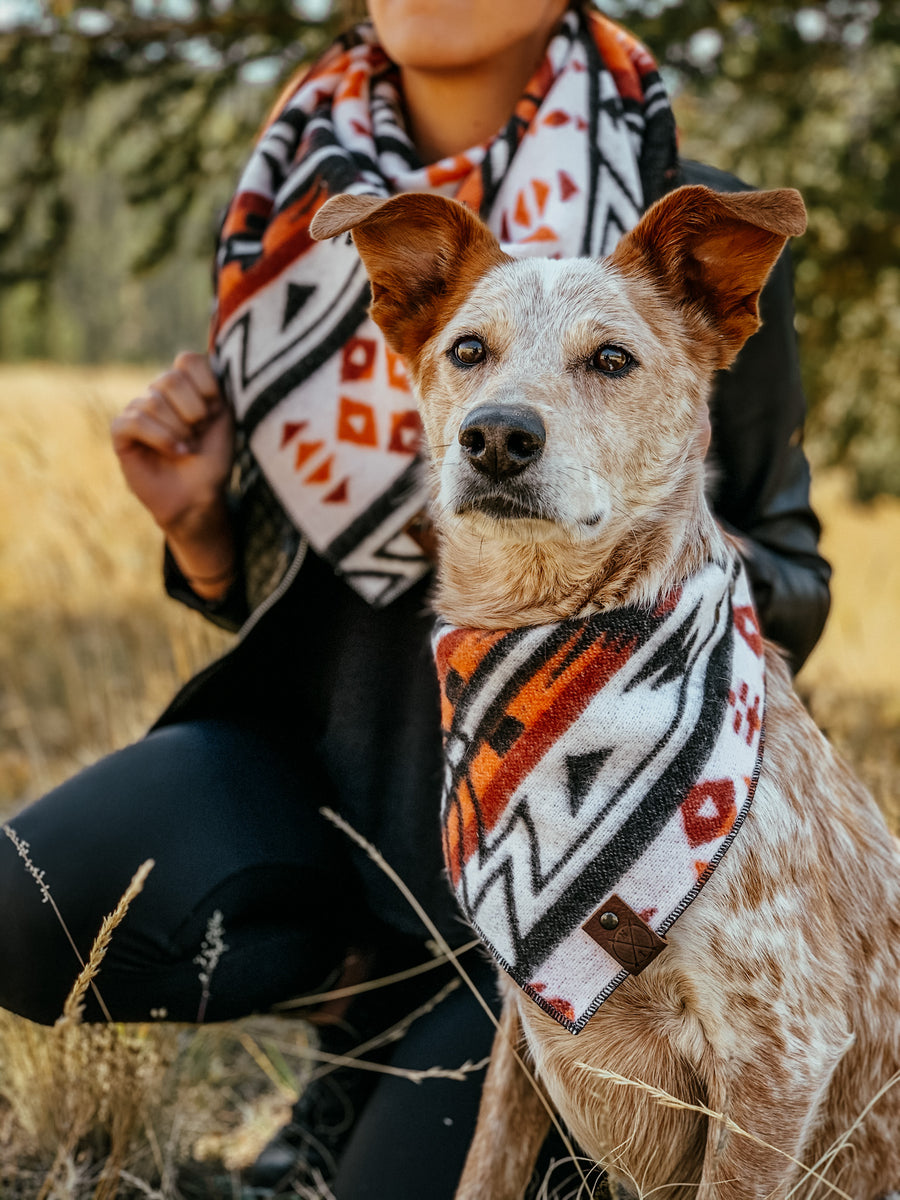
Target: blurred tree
pixel 807 95
pixel 178 76
pixel 166 94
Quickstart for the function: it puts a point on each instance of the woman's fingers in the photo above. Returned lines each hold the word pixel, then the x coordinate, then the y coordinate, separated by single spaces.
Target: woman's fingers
pixel 162 408
pixel 177 391
pixel 138 425
pixel 186 397
pixel 174 409
pixel 197 369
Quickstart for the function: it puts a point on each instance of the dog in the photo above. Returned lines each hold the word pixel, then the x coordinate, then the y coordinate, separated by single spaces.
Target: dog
pixel 564 405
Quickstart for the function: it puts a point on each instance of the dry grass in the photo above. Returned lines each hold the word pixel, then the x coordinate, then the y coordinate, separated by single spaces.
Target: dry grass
pixel 852 680
pixel 90 651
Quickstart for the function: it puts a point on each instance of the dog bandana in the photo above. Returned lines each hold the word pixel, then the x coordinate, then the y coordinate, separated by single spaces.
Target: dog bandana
pixel 323 404
pixel 597 770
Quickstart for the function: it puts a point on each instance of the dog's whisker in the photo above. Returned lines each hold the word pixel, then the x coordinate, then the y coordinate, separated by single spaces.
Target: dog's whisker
pixel 582 1188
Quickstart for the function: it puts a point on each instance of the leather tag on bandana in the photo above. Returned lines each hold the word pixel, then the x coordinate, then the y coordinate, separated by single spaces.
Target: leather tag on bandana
pixel 623 935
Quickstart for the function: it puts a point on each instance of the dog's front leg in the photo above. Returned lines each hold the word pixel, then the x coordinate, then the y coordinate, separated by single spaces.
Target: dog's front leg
pixel 770 1104
pixel 512 1121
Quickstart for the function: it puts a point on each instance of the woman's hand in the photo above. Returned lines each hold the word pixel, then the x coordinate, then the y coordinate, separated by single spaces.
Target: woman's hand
pixel 175 444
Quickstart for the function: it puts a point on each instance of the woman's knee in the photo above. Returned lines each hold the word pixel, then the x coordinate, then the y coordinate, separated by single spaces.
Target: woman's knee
pixel 222 817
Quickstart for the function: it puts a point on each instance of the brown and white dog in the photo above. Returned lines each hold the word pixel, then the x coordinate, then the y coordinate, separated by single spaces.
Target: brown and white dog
pixel 564 404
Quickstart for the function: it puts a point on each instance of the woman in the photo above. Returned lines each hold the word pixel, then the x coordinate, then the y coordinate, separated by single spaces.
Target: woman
pixel 282 472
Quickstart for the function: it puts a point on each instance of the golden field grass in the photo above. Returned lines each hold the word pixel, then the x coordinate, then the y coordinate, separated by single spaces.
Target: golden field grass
pixel 91 651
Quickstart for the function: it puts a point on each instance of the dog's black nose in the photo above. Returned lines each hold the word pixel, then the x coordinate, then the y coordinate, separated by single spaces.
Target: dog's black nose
pixel 501 440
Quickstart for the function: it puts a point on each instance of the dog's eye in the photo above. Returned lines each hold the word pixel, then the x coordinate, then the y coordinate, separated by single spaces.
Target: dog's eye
pixel 468 351
pixel 611 360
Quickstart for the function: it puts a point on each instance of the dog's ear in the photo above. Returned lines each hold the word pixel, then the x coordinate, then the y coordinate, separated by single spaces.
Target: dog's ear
pixel 714 251
pixel 422 253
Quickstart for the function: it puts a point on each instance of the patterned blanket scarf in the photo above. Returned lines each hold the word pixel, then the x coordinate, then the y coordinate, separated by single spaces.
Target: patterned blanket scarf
pixel 596 772
pixel 324 406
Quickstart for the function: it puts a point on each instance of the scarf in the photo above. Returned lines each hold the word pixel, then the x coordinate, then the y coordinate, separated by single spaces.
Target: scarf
pixel 597 770
pixel 323 406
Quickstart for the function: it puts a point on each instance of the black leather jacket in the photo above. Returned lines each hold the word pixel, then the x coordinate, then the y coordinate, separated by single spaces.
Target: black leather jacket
pixel 761 485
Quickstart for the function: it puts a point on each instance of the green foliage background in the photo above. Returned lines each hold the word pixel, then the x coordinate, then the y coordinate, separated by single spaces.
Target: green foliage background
pixel 124 124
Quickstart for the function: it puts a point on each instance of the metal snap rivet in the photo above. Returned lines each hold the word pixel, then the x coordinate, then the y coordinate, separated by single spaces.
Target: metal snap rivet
pixel 609 920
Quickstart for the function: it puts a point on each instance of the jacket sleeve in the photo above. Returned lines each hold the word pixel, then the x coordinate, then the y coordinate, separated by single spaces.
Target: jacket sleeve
pixel 760 475
pixel 229 612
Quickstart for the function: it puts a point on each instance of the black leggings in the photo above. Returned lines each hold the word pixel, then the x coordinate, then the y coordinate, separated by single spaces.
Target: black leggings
pixel 411 1140
pixel 233 830
pixel 223 819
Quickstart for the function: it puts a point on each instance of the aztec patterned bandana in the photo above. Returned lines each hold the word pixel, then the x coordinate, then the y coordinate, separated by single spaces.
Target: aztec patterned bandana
pixel 324 405
pixel 597 770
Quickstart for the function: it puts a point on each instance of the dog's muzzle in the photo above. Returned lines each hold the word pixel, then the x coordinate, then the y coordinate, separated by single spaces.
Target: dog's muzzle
pixel 500 441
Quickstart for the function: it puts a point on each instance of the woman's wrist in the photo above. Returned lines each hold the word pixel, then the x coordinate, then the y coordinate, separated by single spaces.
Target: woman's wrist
pixel 210 588
pixel 203 545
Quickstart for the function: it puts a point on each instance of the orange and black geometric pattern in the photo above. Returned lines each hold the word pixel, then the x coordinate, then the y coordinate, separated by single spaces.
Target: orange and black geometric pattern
pixel 612 755
pixel 539 708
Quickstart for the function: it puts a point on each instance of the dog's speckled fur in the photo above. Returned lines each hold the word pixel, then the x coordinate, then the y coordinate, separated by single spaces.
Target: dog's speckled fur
pixel 777 1003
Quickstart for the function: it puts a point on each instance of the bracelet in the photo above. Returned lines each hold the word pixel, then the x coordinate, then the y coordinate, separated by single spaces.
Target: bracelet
pixel 210 580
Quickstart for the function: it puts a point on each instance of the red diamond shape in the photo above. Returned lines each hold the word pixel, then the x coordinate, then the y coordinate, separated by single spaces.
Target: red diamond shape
pixel 406 432
pixel 709 811
pixel 358 359
pixel 356 423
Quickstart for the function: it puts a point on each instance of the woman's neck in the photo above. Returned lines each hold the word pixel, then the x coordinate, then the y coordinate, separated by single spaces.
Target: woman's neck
pixel 448 111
